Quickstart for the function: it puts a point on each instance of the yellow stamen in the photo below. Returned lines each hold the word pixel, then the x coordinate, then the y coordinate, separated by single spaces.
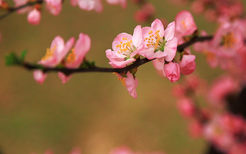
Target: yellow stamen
pixel 71 57
pixel 49 53
pixel 229 40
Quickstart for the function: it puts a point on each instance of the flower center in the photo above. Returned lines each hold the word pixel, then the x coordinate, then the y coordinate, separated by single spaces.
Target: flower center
pixel 125 47
pixel 210 55
pixel 153 40
pixel 228 40
pixel 71 57
pixel 49 53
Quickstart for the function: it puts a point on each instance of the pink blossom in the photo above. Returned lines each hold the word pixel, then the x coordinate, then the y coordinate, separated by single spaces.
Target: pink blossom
pixel 208 50
pixel 215 133
pixel 232 124
pixel 222 87
pixel 115 2
pixel 172 71
pixel 187 64
pixel 228 39
pixel 186 107
pixel 185 24
pixel 145 13
pixel 125 47
pixel 130 82
pixel 76 56
pixel 34 17
pixel 88 5
pixel 57 51
pixel 159 43
pixel 54 6
pixel 39 76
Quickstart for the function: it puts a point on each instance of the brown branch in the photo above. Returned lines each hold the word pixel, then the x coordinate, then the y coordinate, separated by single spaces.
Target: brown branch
pixel 136 64
pixel 11 10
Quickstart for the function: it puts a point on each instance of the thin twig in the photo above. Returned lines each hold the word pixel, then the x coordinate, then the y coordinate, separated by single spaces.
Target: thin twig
pixel 136 64
pixel 12 10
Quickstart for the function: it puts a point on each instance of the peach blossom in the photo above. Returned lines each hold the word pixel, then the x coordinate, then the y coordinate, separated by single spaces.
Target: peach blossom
pixel 125 47
pixel 159 43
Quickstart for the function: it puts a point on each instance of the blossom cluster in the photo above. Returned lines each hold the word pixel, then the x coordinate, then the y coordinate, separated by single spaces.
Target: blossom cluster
pixel 156 43
pixel 228 47
pixel 214 123
pixel 55 7
pixel 213 10
pixel 70 54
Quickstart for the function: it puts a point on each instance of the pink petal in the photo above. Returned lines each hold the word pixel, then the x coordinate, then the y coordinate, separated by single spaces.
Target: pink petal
pixel 157 25
pixel 131 85
pixel 64 78
pixel 81 48
pixel 147 53
pixel 170 31
pixel 137 36
pixel 121 64
pixel 170 49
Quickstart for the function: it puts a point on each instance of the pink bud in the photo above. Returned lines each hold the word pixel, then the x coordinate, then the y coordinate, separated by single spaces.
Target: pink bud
pixel 172 71
pixel 39 76
pixel 186 107
pixel 34 17
pixel 187 64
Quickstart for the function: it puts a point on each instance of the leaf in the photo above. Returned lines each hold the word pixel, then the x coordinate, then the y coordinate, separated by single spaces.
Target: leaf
pixel 23 55
pixel 88 64
pixel 11 59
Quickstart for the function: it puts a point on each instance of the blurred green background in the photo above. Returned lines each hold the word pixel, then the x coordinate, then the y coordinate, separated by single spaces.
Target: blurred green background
pixel 93 111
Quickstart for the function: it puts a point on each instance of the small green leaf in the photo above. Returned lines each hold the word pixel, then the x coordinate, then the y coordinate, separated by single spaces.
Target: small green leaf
pixel 88 64
pixel 23 55
pixel 11 59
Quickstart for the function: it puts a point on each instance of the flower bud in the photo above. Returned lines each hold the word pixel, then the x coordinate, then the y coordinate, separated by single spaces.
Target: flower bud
pixel 34 17
pixel 39 76
pixel 172 71
pixel 187 64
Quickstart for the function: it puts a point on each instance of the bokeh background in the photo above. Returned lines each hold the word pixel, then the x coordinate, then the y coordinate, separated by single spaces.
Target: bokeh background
pixel 93 111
